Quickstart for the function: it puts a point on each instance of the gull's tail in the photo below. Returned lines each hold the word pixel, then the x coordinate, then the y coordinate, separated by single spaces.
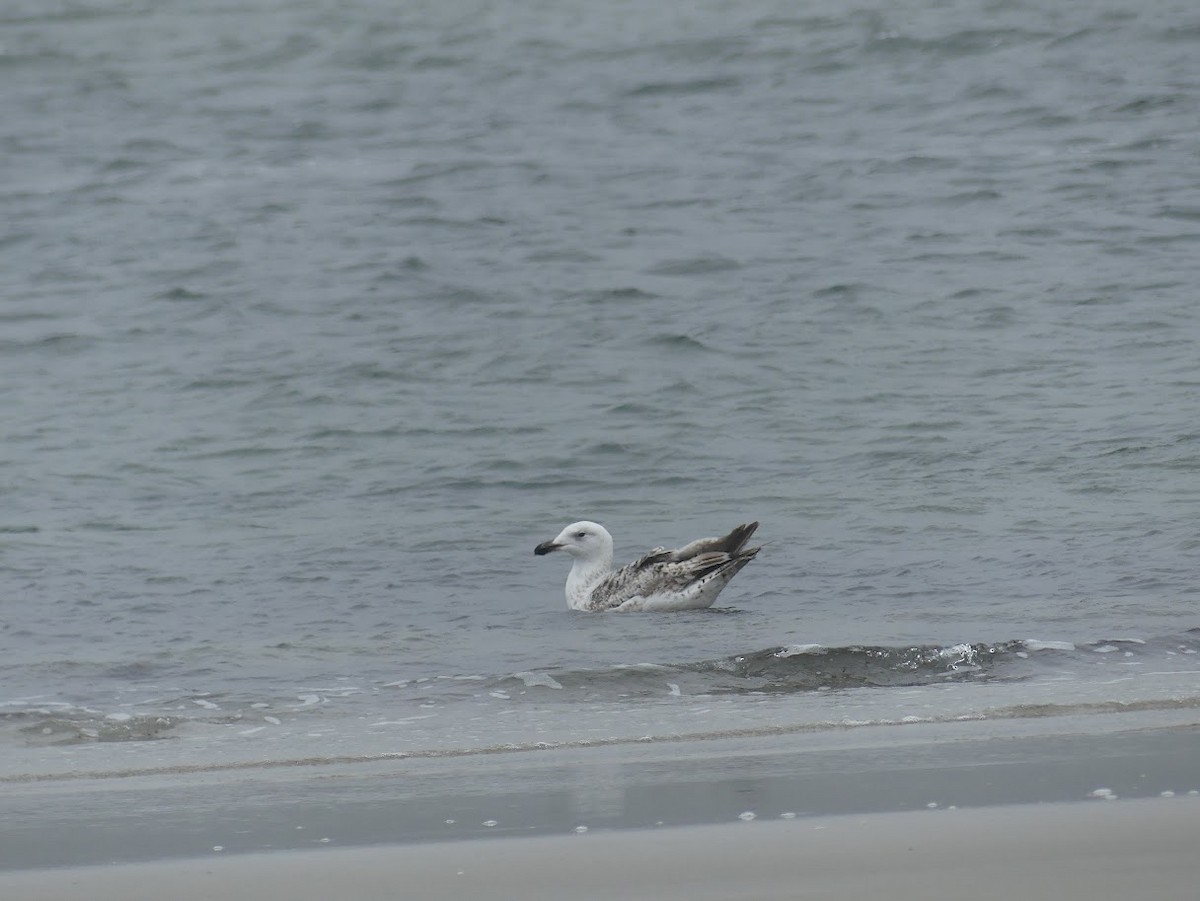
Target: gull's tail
pixel 736 540
pixel 731 544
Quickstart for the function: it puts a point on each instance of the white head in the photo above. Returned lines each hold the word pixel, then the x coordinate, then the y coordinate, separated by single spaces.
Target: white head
pixel 585 541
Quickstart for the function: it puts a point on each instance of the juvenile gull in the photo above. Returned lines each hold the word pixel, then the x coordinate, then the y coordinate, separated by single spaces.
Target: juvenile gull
pixel 686 579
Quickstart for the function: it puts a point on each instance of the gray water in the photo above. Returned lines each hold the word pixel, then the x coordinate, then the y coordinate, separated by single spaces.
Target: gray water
pixel 317 316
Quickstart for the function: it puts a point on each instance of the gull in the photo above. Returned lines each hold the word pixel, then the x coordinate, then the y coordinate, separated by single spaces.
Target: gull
pixel 686 579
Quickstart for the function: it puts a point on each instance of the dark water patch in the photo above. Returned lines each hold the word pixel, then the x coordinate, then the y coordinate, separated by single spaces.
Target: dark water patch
pixel 1187 213
pixel 702 50
pixel 1033 232
pixel 1109 165
pixel 28 315
pixel 842 291
pixel 607 449
pixel 60 343
pixel 423 172
pixel 1151 103
pixel 125 165
pixel 415 201
pixel 618 297
pixel 245 452
pixel 217 383
pixel 351 435
pixel 914 164
pixel 559 255
pixel 683 88
pixel 683 343
pixel 967 42
pixel 439 61
pixel 373 53
pixel 30 13
pixel 1169 240
pixel 675 481
pixel 633 411
pixel 13 239
pixel 376 372
pixel 704 265
pixel 113 525
pixel 677 203
pixel 1072 37
pixel 1182 33
pixel 962 198
pixel 180 293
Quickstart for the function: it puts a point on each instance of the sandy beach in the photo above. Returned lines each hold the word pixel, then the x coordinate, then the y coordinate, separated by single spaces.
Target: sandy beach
pixel 1106 808
pixel 1084 850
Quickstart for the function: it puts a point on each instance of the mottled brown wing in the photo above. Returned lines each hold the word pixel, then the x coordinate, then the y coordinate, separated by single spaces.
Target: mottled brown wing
pixel 656 573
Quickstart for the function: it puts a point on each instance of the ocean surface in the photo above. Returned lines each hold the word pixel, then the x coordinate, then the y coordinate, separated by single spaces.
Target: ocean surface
pixel 316 316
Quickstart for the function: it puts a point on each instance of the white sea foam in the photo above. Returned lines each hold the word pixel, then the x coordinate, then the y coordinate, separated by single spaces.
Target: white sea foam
pixel 538 679
pixel 794 650
pixel 1034 644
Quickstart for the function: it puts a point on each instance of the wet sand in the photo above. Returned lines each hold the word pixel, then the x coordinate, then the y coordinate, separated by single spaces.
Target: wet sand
pixel 1104 807
pixel 1084 850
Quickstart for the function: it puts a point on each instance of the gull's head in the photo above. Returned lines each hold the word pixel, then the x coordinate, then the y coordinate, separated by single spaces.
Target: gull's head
pixel 582 540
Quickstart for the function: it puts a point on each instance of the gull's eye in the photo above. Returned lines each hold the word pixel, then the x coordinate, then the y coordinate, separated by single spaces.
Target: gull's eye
pixel 581 534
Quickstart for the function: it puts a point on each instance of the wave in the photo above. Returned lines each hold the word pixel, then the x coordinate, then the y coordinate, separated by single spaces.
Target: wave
pixel 79 726
pixel 797 670
pixel 811 667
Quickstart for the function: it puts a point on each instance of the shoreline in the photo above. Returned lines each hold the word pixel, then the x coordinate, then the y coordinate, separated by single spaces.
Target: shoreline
pixel 184 815
pixel 1082 850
